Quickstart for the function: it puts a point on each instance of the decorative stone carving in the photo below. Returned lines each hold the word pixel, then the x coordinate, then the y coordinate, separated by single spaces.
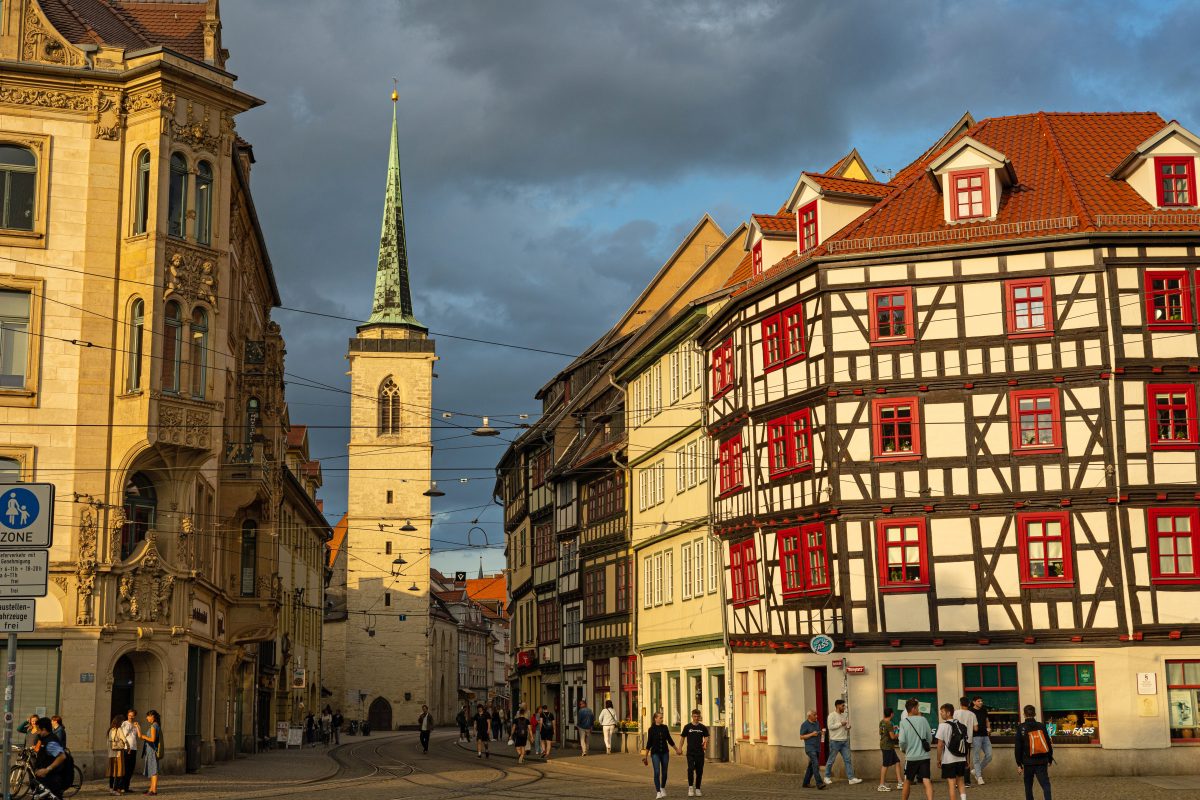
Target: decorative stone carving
pixel 41 44
pixel 153 99
pixel 197 133
pixel 47 98
pixel 85 570
pixel 110 115
pixel 60 581
pixel 192 275
pixel 179 424
pixel 145 593
pixel 116 528
pixel 185 542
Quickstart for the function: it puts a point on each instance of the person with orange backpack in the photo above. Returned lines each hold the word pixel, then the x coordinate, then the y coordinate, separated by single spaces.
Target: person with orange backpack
pixel 1034 752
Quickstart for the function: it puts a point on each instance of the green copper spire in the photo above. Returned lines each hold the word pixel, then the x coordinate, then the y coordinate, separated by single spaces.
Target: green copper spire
pixel 393 298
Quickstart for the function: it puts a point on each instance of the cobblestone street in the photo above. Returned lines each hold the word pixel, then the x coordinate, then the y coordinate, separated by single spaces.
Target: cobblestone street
pixel 392 766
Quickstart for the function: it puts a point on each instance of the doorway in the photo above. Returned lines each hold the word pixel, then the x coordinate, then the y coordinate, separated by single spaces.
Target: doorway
pixel 379 715
pixel 821 694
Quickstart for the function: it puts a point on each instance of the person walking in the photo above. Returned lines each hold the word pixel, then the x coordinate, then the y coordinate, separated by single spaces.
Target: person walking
pixel 116 756
pixel 967 717
pixel 981 744
pixel 584 720
pixel 952 737
pixel 1034 752
pixel 497 722
pixel 658 752
pixel 810 734
pixel 133 739
pixel 547 732
pixel 338 722
pixel 461 719
pixel 154 749
pixel 52 767
pixel 914 741
pixel 608 725
pixel 425 727
pixel 520 734
pixel 483 723
pixel 887 747
pixel 535 723
pixel 695 738
pixel 310 730
pixel 838 726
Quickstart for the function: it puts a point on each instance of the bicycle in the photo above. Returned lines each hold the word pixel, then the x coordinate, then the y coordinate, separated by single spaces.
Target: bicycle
pixel 21 776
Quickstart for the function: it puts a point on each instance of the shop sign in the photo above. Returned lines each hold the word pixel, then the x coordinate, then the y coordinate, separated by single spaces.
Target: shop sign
pixel 200 616
pixel 855 670
pixel 821 644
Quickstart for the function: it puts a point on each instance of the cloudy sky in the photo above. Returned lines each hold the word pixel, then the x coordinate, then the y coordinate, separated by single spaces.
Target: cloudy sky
pixel 554 153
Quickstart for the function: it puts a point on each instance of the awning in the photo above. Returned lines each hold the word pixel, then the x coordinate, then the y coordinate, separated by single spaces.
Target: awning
pixel 466 694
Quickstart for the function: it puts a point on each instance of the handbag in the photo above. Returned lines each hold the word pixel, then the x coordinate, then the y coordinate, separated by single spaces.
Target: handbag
pixel 510 741
pixel 924 741
pixel 645 753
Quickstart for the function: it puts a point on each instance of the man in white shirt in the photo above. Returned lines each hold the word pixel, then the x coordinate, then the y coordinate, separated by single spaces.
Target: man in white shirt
pixel 132 734
pixel 954 766
pixel 838 725
pixel 967 717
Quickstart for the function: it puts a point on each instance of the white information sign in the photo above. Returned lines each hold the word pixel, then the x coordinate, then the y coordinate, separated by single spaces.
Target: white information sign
pixel 24 573
pixel 1147 683
pixel 16 616
pixel 295 737
pixel 26 515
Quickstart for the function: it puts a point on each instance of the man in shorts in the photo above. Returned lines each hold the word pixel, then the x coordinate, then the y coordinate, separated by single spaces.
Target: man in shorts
pixel 914 741
pixel 887 747
pixel 954 766
pixel 967 717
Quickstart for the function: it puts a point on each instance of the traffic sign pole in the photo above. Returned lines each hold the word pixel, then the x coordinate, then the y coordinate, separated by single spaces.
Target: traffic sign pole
pixel 9 690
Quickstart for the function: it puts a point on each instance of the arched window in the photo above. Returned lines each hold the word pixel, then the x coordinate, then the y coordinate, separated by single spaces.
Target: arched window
pixel 199 360
pixel 249 557
pixel 252 416
pixel 177 197
pixel 141 209
pixel 204 191
pixel 10 470
pixel 389 407
pixel 172 347
pixel 18 182
pixel 137 325
pixel 140 505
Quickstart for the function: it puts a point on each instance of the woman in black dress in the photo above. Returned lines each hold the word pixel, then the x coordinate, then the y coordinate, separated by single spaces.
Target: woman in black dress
pixel 483 724
pixel 520 734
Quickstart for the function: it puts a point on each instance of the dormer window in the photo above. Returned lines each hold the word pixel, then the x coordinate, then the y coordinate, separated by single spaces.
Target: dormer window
pixel 970 195
pixel 1176 181
pixel 806 226
pixel 756 257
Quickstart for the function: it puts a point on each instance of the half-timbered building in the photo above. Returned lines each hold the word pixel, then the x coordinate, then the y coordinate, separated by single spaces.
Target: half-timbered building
pixel 954 430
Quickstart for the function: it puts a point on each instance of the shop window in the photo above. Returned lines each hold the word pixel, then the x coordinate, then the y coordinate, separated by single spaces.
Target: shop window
pixel 1069 702
pixel 1174 544
pixel 1176 181
pixel 744 707
pixel 897 429
pixel 804 560
pixel 760 679
pixel 891 312
pixel 1036 418
pixel 1029 305
pixel 902 683
pixel 903 555
pixel 743 573
pixel 716 696
pixel 1183 700
pixel 1168 300
pixel 1045 550
pixel 1171 413
pixel 997 685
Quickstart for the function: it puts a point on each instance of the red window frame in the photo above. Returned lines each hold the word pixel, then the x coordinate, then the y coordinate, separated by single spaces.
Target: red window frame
pixel 744 685
pixel 629 687
pixel 756 257
pixel 783 337
pixel 1019 309
pixel 886 299
pixel 804 560
pixel 985 194
pixel 1157 553
pixel 806 226
pixel 1040 416
pixel 918 539
pixel 1188 176
pixel 1183 293
pixel 886 427
pixel 789 444
pixel 729 460
pixel 1180 398
pixel 721 367
pixel 743 573
pixel 1034 541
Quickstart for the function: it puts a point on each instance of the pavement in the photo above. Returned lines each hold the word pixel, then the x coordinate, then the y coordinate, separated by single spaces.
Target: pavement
pixel 390 766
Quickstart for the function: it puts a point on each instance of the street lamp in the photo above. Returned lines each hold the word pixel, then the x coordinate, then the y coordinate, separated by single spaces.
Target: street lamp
pixel 433 491
pixel 408 527
pixel 485 429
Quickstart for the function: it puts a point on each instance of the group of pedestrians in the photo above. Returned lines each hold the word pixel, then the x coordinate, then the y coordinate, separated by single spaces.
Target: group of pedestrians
pixel 538 730
pixel 53 768
pixel 325 729
pixel 125 738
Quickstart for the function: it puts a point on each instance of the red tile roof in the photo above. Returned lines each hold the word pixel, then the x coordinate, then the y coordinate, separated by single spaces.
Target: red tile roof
pixel 132 24
pixel 743 271
pixel 776 223
pixel 493 588
pixel 295 435
pixel 339 538
pixel 852 186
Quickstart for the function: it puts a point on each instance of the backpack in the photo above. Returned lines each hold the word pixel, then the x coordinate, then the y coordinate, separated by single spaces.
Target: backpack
pixel 521 726
pixel 958 738
pixel 1036 743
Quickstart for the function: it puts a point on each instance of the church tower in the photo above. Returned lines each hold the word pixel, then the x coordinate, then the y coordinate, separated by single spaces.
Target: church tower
pixel 383 670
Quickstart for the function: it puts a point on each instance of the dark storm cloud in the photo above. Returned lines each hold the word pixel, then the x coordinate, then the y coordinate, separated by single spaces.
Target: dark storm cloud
pixel 546 148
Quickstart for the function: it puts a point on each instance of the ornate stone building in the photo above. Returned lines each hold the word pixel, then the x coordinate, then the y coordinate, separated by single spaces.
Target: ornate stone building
pixel 142 374
pixel 379 645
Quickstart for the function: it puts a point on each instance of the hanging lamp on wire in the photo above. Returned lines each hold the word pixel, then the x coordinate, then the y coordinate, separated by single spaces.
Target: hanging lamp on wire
pixel 408 527
pixel 485 429
pixel 433 491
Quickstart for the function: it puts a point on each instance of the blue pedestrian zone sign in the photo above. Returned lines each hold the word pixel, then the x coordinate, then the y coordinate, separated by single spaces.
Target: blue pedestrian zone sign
pixel 26 515
pixel 821 644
